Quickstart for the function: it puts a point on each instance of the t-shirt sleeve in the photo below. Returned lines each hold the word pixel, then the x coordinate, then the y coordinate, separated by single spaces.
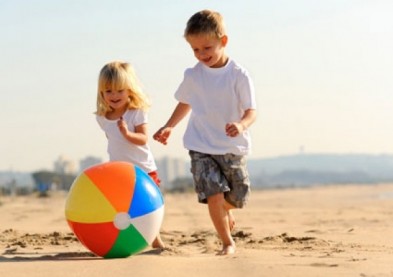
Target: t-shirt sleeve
pixel 140 118
pixel 100 121
pixel 246 91
pixel 183 92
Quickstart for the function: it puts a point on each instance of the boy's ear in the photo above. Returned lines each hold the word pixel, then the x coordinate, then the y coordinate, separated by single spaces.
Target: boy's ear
pixel 224 40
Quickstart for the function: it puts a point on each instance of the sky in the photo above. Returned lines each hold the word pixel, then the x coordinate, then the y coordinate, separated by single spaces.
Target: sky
pixel 323 73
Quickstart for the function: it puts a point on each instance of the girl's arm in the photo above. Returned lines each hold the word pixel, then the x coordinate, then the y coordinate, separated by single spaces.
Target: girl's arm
pixel 178 114
pixel 139 137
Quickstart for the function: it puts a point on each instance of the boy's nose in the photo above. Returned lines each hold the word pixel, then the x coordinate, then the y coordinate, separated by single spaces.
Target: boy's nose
pixel 202 54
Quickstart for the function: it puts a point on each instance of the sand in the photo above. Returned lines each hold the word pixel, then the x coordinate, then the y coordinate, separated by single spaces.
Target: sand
pixel 342 230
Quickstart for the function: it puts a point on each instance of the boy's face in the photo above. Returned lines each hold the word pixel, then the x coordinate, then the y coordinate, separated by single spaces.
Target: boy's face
pixel 209 50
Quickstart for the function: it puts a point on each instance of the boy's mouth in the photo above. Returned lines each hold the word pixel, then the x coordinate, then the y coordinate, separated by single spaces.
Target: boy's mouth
pixel 207 60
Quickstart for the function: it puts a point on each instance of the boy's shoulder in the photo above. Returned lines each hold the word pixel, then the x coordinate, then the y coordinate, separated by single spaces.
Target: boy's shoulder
pixel 232 66
pixel 198 66
pixel 238 67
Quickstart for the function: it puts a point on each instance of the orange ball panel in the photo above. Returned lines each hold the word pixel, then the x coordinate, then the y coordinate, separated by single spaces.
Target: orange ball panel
pixel 119 174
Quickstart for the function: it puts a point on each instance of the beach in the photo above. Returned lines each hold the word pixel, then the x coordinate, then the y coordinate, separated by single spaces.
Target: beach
pixel 335 230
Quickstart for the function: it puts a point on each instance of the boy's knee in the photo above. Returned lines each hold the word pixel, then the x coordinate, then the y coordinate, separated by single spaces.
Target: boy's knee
pixel 217 198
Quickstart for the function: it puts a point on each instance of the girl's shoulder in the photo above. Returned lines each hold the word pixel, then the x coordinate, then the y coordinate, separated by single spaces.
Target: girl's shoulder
pixel 133 111
pixel 100 118
pixel 132 114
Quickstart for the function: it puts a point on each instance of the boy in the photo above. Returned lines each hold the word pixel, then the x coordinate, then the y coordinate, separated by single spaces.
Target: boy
pixel 220 95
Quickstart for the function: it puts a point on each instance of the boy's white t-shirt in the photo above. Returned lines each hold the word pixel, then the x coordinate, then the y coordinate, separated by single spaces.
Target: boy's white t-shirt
pixel 119 149
pixel 217 96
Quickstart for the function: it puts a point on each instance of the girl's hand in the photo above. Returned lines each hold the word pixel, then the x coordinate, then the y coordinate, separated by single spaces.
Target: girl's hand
pixel 122 126
pixel 233 129
pixel 137 137
pixel 163 134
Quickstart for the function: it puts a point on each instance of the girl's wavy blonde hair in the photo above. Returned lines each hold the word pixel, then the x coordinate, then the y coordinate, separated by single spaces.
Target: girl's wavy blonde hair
pixel 120 75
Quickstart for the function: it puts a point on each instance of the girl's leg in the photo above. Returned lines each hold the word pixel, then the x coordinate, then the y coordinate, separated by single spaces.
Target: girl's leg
pixel 157 243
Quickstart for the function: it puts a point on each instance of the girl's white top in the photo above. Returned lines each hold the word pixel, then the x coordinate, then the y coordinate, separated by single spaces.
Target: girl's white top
pixel 217 96
pixel 120 149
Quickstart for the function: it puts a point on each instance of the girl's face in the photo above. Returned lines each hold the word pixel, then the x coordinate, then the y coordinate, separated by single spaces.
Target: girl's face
pixel 209 50
pixel 117 99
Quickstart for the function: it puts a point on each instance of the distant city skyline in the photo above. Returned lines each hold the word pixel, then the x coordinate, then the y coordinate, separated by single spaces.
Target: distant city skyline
pixel 322 72
pixel 169 169
pixel 284 171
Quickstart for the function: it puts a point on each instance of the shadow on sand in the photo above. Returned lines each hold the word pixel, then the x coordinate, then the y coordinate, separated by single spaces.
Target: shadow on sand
pixel 28 257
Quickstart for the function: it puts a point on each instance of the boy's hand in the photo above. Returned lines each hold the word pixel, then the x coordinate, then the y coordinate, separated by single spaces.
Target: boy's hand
pixel 163 134
pixel 234 129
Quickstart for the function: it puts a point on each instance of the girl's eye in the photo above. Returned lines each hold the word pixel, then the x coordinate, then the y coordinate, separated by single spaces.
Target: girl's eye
pixel 108 91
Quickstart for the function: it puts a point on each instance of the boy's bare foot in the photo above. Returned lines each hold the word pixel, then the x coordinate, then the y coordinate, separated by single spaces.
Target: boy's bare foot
pixel 157 243
pixel 227 250
pixel 231 220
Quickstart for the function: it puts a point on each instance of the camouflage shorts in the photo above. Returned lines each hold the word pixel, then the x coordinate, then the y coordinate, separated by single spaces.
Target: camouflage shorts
pixel 220 174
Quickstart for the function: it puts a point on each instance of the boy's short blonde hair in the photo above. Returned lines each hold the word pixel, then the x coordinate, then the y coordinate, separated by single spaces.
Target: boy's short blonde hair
pixel 120 75
pixel 206 22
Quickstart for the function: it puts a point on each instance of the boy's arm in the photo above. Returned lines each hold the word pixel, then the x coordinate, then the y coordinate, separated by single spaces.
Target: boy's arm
pixel 235 128
pixel 178 114
pixel 248 118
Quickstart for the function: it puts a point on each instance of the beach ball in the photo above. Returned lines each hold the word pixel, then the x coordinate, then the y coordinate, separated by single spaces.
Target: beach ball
pixel 115 209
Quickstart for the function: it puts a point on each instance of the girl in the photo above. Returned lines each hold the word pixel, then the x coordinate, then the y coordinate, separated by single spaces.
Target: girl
pixel 121 114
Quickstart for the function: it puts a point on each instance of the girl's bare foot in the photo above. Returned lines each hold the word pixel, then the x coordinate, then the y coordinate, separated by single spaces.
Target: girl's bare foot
pixel 157 243
pixel 227 250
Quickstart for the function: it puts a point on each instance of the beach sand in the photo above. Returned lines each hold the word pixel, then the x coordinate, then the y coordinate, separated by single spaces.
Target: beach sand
pixel 342 230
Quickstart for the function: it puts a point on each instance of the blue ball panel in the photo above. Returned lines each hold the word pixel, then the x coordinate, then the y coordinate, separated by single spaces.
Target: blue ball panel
pixel 147 196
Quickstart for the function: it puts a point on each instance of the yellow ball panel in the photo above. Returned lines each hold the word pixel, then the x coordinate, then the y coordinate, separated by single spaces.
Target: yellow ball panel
pixel 87 204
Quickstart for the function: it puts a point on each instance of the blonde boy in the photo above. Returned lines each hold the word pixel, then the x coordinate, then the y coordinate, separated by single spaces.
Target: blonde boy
pixel 220 96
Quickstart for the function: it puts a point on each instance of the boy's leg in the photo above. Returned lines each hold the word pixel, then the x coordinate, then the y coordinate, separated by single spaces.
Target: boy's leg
pixel 221 220
pixel 231 219
pixel 210 185
pixel 235 171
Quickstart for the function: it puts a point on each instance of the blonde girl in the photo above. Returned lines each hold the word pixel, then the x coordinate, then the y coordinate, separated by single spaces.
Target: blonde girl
pixel 120 75
pixel 122 115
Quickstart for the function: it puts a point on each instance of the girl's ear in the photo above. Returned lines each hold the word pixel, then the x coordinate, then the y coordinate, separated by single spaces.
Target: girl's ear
pixel 224 40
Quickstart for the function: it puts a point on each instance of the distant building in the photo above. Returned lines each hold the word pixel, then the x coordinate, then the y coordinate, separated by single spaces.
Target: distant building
pixel 64 166
pixel 15 182
pixel 170 169
pixel 88 162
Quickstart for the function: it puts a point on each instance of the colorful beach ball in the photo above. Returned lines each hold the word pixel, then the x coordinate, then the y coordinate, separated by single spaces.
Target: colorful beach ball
pixel 115 209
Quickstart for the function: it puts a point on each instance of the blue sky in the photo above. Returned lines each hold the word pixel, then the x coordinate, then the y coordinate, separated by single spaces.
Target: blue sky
pixel 322 71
